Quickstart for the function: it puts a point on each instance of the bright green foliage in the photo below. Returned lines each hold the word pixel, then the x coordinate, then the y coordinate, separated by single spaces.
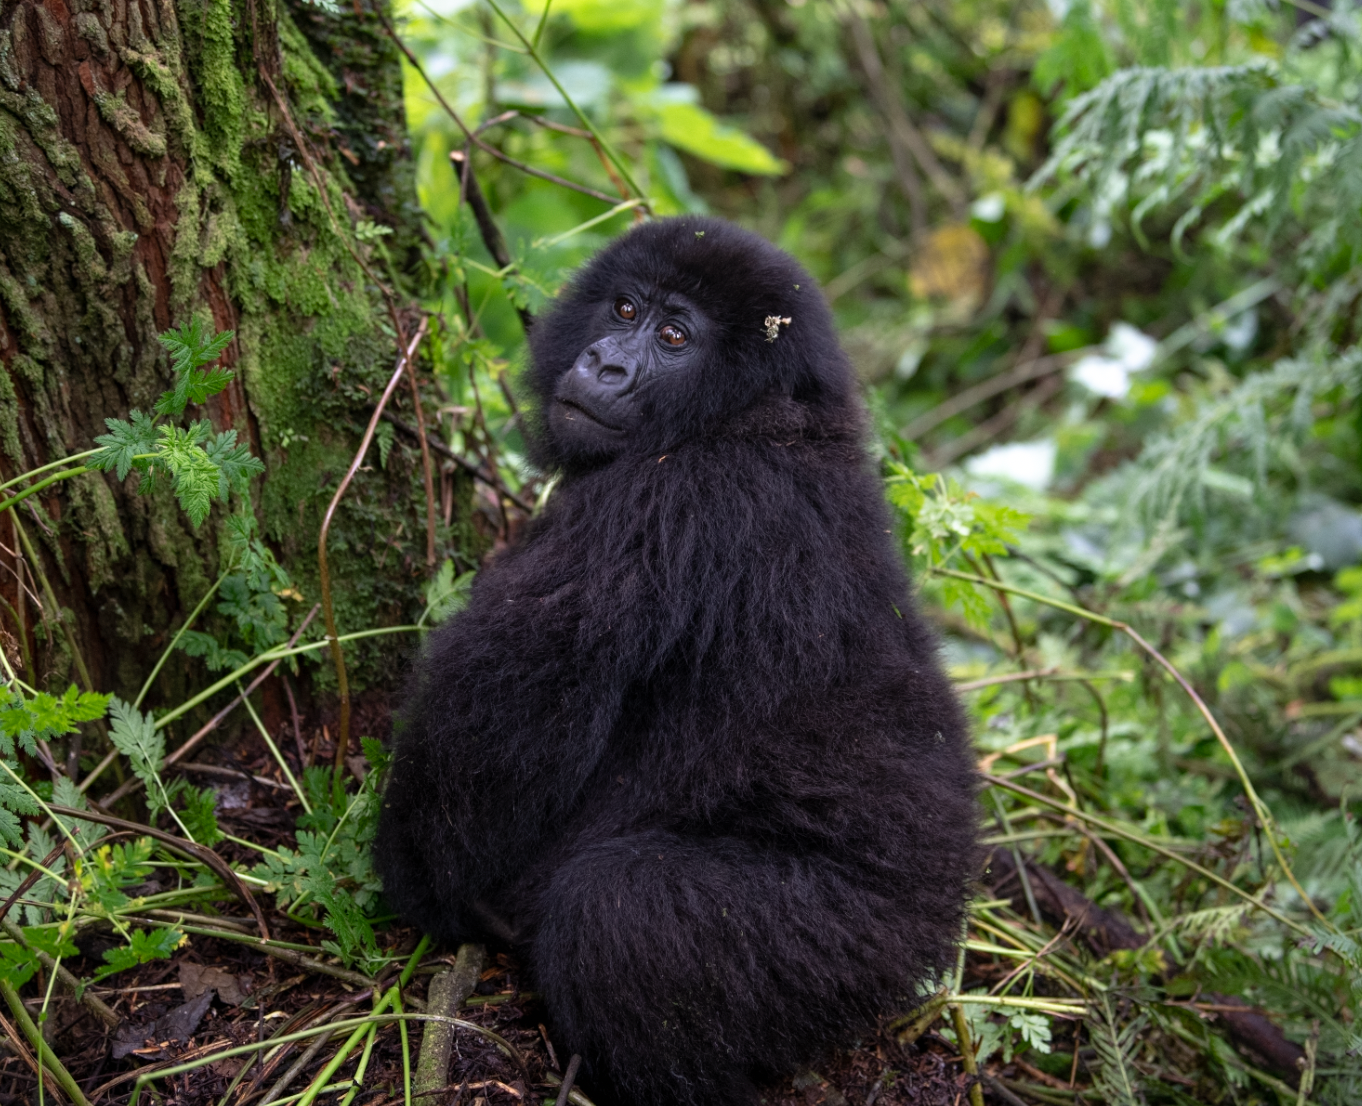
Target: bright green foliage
pixel 202 465
pixel 19 963
pixel 193 350
pixel 446 594
pixel 331 865
pixel 110 869
pixel 26 720
pixel 143 947
pixel 134 734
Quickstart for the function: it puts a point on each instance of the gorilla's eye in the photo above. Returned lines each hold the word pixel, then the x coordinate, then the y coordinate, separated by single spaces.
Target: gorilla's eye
pixel 672 335
pixel 625 308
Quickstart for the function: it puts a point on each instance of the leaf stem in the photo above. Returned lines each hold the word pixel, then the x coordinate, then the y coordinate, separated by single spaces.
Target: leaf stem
pixel 31 473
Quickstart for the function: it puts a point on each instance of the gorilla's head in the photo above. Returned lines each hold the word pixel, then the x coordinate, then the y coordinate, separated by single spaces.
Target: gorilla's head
pixel 670 333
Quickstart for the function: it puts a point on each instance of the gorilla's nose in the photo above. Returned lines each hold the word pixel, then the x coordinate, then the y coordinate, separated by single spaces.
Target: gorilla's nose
pixel 608 367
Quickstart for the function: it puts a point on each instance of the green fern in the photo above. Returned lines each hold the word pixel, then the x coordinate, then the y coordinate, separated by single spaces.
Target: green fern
pixel 1116 1078
pixel 202 466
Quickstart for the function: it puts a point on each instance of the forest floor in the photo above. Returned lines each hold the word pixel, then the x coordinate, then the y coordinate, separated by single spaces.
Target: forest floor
pixel 212 995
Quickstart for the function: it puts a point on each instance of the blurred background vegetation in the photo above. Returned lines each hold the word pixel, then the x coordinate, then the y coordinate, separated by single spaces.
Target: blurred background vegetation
pixel 1096 263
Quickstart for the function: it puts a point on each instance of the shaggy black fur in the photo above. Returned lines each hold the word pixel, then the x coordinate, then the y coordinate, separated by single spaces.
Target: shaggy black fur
pixel 690 747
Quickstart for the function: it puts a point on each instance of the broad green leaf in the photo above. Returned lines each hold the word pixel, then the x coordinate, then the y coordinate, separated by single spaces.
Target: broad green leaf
pixel 689 127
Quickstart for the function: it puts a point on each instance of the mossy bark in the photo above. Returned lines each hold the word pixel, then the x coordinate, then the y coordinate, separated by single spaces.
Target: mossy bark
pixel 149 172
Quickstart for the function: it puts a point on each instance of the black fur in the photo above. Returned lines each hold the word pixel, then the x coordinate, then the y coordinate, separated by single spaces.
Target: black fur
pixel 690 746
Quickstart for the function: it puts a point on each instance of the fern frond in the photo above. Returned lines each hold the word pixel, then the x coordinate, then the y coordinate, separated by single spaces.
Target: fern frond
pixel 1116 1077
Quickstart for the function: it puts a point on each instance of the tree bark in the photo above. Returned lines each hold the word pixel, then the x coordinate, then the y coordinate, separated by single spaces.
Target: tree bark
pixel 161 159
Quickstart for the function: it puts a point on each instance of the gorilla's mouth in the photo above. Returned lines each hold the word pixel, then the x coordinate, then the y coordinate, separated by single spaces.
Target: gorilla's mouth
pixel 572 409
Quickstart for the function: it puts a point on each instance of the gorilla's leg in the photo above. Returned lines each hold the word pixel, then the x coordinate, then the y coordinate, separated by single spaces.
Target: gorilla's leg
pixel 685 971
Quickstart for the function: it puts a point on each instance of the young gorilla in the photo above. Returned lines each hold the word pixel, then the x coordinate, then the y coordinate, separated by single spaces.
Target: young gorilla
pixel 689 748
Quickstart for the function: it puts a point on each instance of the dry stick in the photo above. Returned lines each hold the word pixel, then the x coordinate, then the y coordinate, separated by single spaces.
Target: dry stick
pixel 33 876
pixel 1116 830
pixel 333 635
pixel 447 992
pixel 990 428
pixel 1259 807
pixel 35 1038
pixel 203 731
pixel 297 723
pixel 464 463
pixel 570 1077
pixel 68 980
pixel 472 135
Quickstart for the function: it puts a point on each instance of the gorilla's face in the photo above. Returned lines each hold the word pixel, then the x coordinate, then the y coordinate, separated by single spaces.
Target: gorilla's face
pixel 645 344
pixel 673 333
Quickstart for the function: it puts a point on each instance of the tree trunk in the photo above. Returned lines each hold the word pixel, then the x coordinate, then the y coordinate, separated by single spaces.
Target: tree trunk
pixel 160 159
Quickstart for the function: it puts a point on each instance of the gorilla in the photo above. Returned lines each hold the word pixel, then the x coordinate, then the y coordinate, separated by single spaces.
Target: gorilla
pixel 689 750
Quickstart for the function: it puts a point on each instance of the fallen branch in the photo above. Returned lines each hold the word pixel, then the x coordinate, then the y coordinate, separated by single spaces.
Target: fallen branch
pixel 446 993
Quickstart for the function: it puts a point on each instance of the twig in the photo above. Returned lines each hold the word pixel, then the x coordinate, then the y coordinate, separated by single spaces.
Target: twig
pixel 990 428
pixel 987 389
pixel 188 849
pixel 901 130
pixel 446 993
pixel 569 1077
pixel 1009 678
pixel 472 135
pixel 29 880
pixel 203 731
pixel 328 609
pixel 1259 807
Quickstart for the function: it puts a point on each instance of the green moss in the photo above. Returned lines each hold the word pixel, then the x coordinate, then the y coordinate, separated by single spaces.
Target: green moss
pixel 219 90
pixel 9 418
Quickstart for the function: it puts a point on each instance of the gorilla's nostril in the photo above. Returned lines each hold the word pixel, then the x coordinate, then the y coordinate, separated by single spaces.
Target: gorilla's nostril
pixel 612 374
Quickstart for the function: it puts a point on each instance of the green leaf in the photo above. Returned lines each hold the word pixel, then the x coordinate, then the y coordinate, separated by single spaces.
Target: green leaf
pixel 135 736
pixel 190 348
pixel 446 594
pixel 19 964
pixel 198 812
pixel 44 716
pixel 216 656
pixel 110 869
pixel 143 947
pixel 691 128
pixel 124 442
pixel 235 464
pixel 195 476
